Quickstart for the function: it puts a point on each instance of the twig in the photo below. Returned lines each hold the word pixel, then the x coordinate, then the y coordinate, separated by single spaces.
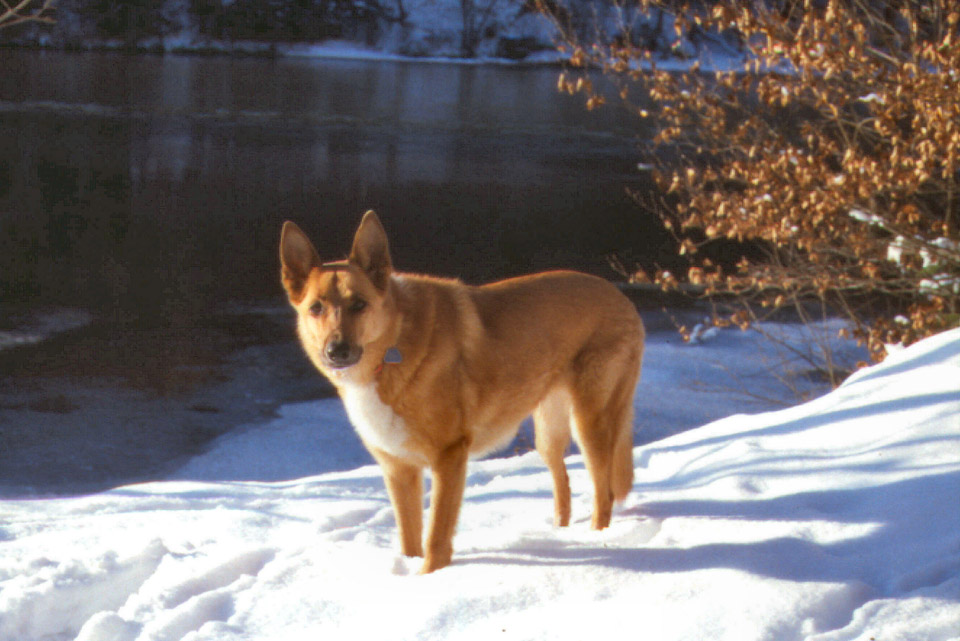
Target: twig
pixel 19 13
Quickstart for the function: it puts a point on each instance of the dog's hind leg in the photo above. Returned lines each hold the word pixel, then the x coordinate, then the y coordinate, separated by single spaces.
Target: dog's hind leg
pixel 595 441
pixel 603 415
pixel 551 422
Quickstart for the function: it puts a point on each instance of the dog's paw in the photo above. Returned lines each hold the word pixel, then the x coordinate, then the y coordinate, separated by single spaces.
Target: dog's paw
pixel 434 562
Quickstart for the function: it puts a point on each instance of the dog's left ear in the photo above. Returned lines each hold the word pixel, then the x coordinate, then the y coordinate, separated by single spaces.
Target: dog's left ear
pixel 370 252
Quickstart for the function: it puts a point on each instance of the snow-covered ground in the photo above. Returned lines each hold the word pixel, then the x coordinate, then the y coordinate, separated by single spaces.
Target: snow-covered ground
pixel 27 329
pixel 836 519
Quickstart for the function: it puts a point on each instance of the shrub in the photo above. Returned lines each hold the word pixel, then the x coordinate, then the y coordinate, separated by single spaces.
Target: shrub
pixel 832 150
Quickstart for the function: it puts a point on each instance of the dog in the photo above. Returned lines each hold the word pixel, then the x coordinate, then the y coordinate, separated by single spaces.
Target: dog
pixel 432 371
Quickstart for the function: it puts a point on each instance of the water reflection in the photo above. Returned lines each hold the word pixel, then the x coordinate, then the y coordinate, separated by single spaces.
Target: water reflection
pixel 152 185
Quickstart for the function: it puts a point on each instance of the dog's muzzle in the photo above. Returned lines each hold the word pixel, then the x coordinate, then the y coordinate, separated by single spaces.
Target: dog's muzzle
pixel 338 354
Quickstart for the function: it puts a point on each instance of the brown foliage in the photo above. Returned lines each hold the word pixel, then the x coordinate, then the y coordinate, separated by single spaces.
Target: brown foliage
pixel 834 147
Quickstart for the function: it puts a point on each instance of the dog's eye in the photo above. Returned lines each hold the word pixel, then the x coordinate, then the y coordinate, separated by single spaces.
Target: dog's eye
pixel 316 309
pixel 358 305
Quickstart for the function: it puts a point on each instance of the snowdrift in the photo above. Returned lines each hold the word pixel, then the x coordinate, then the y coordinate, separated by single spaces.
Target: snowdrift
pixel 837 519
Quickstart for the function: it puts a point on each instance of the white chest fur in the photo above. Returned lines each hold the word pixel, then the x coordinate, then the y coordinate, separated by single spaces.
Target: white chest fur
pixel 376 422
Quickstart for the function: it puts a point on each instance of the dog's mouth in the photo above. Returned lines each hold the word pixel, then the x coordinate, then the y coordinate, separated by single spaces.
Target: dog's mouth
pixel 341 354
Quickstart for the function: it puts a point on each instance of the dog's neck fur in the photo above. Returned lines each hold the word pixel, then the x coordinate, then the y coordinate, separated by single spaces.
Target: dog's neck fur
pixel 399 336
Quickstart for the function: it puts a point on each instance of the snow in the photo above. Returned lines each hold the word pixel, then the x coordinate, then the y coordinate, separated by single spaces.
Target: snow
pixel 835 519
pixel 870 219
pixel 41 326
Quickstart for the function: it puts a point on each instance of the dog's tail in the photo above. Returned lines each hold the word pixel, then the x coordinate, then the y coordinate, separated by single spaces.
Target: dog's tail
pixel 621 477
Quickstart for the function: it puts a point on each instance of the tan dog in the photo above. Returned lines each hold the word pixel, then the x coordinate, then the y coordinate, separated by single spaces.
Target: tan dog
pixel 432 371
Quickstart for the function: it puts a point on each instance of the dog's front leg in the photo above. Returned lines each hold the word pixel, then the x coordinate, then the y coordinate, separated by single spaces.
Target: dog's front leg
pixel 405 486
pixel 449 474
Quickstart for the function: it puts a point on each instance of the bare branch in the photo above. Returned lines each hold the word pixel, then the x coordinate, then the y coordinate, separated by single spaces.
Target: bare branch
pixel 25 11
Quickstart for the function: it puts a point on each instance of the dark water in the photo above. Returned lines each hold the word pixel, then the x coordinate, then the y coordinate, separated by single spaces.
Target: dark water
pixel 147 194
pixel 153 185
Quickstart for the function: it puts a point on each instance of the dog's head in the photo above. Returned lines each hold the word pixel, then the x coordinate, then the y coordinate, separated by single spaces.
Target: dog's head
pixel 343 306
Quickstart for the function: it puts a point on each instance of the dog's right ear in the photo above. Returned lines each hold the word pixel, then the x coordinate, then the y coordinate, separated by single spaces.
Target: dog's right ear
pixel 298 257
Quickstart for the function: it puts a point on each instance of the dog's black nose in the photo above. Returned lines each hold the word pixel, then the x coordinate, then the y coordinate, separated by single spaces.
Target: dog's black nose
pixel 338 350
pixel 340 353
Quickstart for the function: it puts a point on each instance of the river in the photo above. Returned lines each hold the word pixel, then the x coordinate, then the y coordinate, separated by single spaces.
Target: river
pixel 145 181
pixel 141 199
